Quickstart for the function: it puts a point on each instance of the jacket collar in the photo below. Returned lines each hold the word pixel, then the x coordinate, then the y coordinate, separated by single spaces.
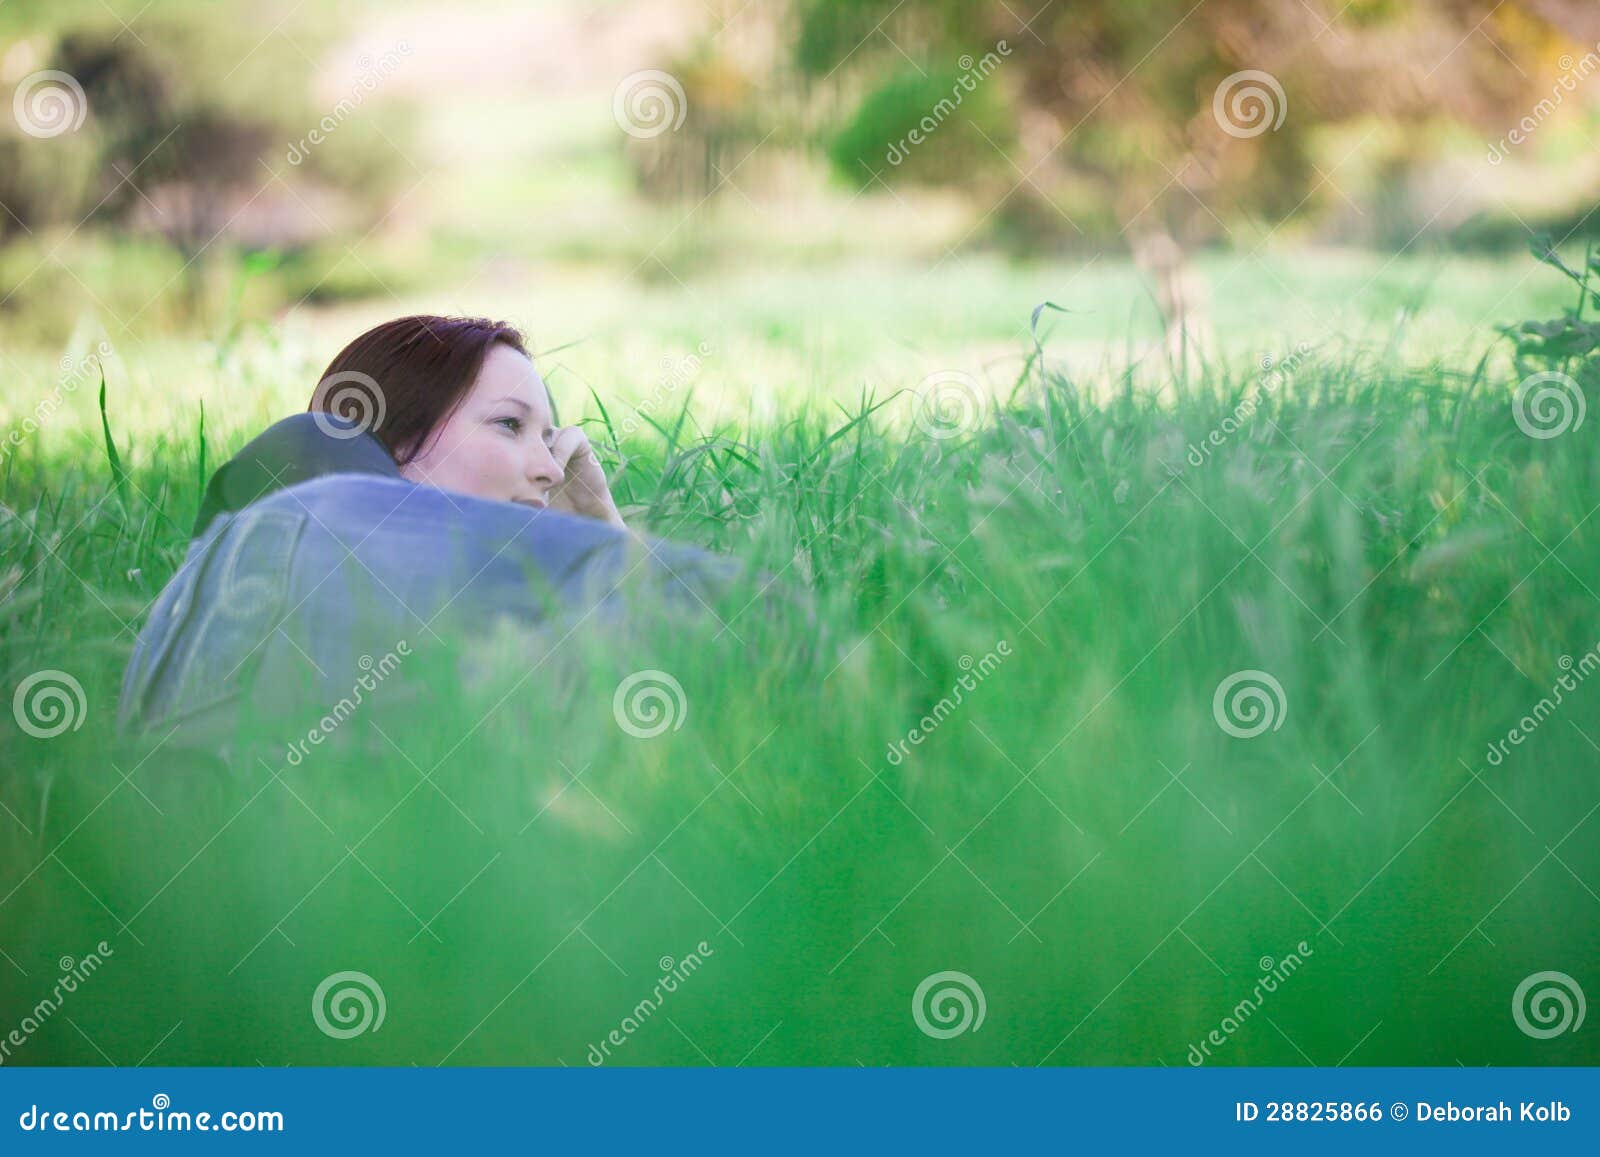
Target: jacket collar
pixel 297 449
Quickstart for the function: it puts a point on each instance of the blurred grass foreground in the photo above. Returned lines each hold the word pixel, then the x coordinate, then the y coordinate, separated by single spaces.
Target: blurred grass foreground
pixel 1199 532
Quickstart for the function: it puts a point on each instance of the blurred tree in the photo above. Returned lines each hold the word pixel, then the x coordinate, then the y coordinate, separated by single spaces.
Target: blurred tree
pixel 725 119
pixel 719 123
pixel 175 145
pixel 1166 119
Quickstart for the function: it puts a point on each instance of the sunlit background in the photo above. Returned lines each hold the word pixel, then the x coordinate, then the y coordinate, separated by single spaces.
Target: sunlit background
pixel 639 184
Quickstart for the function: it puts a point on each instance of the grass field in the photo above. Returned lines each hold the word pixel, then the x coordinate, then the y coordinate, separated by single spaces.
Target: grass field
pixel 1233 646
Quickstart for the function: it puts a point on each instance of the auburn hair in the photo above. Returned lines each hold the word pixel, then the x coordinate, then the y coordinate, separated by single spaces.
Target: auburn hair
pixel 402 379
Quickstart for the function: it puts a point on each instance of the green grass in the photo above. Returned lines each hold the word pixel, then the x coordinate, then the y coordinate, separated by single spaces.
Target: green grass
pixel 1079 835
pixel 777 339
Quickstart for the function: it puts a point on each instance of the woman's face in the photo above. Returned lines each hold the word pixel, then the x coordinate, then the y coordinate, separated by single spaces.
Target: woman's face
pixel 496 444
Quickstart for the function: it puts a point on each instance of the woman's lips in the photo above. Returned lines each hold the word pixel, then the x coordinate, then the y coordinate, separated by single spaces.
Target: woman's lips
pixel 536 503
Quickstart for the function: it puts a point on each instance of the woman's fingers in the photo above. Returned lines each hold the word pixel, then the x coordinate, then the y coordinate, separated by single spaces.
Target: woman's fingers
pixel 575 455
pixel 569 442
pixel 583 488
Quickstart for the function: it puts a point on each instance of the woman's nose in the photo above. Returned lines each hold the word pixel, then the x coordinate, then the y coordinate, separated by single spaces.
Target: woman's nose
pixel 543 467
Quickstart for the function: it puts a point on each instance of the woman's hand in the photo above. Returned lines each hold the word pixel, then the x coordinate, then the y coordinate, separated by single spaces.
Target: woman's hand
pixel 583 489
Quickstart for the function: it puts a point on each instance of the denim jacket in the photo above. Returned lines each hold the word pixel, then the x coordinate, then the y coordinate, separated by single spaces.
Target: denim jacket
pixel 312 554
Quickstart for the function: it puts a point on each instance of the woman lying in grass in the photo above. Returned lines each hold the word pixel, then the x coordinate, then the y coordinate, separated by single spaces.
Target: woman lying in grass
pixel 427 495
pixel 458 405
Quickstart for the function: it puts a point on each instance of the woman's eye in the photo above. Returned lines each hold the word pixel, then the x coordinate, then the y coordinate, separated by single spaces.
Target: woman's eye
pixel 512 424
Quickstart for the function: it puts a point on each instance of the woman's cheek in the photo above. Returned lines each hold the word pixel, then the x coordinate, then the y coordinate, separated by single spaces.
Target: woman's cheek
pixel 507 466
